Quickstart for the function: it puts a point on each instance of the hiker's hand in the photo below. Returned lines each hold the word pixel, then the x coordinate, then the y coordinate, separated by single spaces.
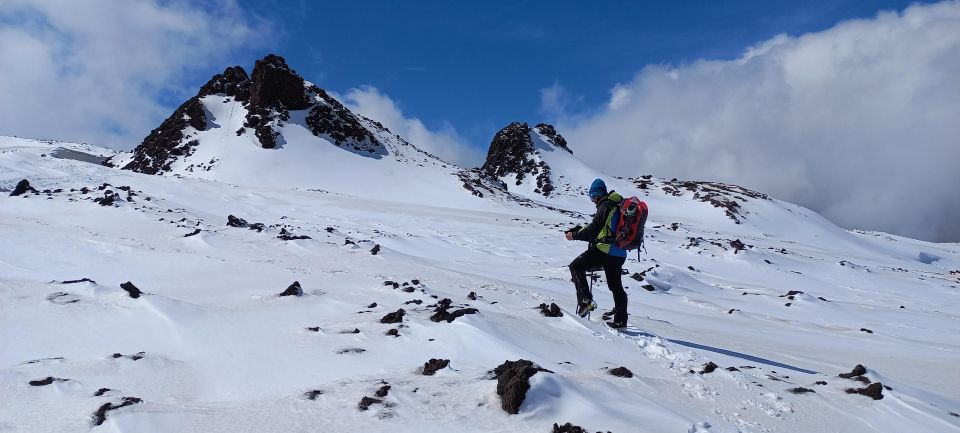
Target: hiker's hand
pixel 569 236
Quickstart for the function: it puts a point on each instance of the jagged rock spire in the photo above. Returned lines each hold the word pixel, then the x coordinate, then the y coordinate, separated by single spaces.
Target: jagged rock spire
pixel 513 153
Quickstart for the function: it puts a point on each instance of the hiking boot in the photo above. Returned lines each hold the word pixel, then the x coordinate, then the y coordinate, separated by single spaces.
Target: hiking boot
pixel 609 314
pixel 586 307
pixel 617 325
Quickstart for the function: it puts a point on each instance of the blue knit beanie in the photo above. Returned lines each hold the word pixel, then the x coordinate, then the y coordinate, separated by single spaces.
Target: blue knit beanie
pixel 598 189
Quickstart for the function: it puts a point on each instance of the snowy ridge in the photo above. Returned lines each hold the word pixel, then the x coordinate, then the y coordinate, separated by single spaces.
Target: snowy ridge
pixel 782 297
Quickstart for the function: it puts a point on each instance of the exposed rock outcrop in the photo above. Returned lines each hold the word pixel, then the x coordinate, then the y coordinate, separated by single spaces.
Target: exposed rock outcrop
pixel 512 153
pixel 513 382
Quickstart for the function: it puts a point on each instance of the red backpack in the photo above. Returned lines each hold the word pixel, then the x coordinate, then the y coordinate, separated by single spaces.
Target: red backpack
pixel 633 215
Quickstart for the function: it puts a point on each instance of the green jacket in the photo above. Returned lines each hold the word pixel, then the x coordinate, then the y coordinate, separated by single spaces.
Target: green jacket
pixel 601 230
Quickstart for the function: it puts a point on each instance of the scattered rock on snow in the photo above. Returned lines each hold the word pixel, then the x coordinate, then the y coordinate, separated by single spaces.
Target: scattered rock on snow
pixel 821 382
pixel 293 290
pixel 46 381
pixel 430 367
pixel 383 391
pixel 621 372
pixel 442 313
pixel 100 392
pixel 874 391
pixel 709 368
pixel 393 332
pixel 22 188
pixel 375 250
pixel 131 289
pixel 351 350
pixel 366 402
pixel 193 233
pixel 472 296
pixel 859 370
pixel 100 416
pixel 800 390
pixel 568 428
pixel 82 280
pixel 866 330
pixel 552 311
pixel 394 317
pixel 513 382
pixel 233 221
pixel 312 394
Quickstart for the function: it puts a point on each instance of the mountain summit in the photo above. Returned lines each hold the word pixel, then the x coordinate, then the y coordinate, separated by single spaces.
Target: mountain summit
pixel 269 96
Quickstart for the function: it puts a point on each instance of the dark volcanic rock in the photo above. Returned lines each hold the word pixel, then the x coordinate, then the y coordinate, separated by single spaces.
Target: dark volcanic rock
pixel 366 402
pixel 82 280
pixel 375 250
pixel 293 290
pixel 511 153
pixel 394 317
pixel 568 428
pixel 393 332
pixel 274 85
pixel 874 391
pixel 621 372
pixel 859 370
pixel 287 236
pixel 551 133
pixel 513 382
pixel 193 233
pixel 238 222
pixel 100 416
pixel 131 289
pixel 166 143
pixel 800 390
pixel 22 188
pixel 46 381
pixel 552 311
pixel 312 394
pixel 442 311
pixel 430 367
pixel 232 82
pixel 100 392
pixel 472 296
pixel 383 391
pixel 709 368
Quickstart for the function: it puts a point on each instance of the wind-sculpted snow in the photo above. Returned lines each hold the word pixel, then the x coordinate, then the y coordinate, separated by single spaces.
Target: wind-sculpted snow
pixel 208 344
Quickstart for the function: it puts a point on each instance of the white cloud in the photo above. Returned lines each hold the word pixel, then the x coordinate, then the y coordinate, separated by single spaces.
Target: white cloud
pixel 860 122
pixel 444 143
pixel 95 70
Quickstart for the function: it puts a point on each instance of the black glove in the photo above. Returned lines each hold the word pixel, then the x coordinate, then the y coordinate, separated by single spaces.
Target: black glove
pixel 574 230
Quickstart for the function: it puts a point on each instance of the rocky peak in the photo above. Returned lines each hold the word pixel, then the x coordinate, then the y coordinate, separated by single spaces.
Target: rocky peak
pixel 234 81
pixel 275 85
pixel 268 95
pixel 512 153
pixel 552 136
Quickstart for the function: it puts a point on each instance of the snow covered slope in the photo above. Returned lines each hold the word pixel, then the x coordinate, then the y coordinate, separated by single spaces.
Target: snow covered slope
pixel 771 293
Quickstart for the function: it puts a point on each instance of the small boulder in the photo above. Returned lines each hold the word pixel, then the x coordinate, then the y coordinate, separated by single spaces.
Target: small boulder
pixel 568 428
pixel 859 370
pixel 132 290
pixel 233 221
pixel 621 372
pixel 709 368
pixel 22 188
pixel 513 382
pixel 552 311
pixel 394 317
pixel 375 250
pixel 800 390
pixel 100 416
pixel 366 402
pixel 312 394
pixel 430 367
pixel 293 290
pixel 874 391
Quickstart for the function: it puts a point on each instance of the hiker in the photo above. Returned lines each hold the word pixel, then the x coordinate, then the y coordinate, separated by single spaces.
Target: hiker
pixel 600 253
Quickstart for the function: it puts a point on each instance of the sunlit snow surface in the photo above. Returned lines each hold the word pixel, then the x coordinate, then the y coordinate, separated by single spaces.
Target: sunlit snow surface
pixel 222 352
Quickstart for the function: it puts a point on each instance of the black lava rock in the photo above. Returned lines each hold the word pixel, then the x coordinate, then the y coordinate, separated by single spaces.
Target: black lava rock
pixel 312 394
pixel 293 290
pixel 132 290
pixel 513 382
pixel 442 312
pixel 621 372
pixel 375 249
pixel 366 402
pixel 430 367
pixel 394 317
pixel 552 311
pixel 233 221
pixel 22 188
pixel 709 368
pixel 800 390
pixel 874 391
pixel 100 416
pixel 859 370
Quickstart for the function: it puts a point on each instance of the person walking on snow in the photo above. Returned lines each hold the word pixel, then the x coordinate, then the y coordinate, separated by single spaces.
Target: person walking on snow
pixel 601 253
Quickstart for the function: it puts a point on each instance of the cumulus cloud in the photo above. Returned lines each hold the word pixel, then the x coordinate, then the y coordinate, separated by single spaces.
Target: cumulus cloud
pixel 444 142
pixel 860 122
pixel 97 70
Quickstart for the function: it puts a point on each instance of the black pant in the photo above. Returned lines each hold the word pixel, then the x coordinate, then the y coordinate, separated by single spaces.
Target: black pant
pixel 594 258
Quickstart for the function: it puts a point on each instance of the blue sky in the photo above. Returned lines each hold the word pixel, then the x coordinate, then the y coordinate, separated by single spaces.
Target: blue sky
pixel 481 65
